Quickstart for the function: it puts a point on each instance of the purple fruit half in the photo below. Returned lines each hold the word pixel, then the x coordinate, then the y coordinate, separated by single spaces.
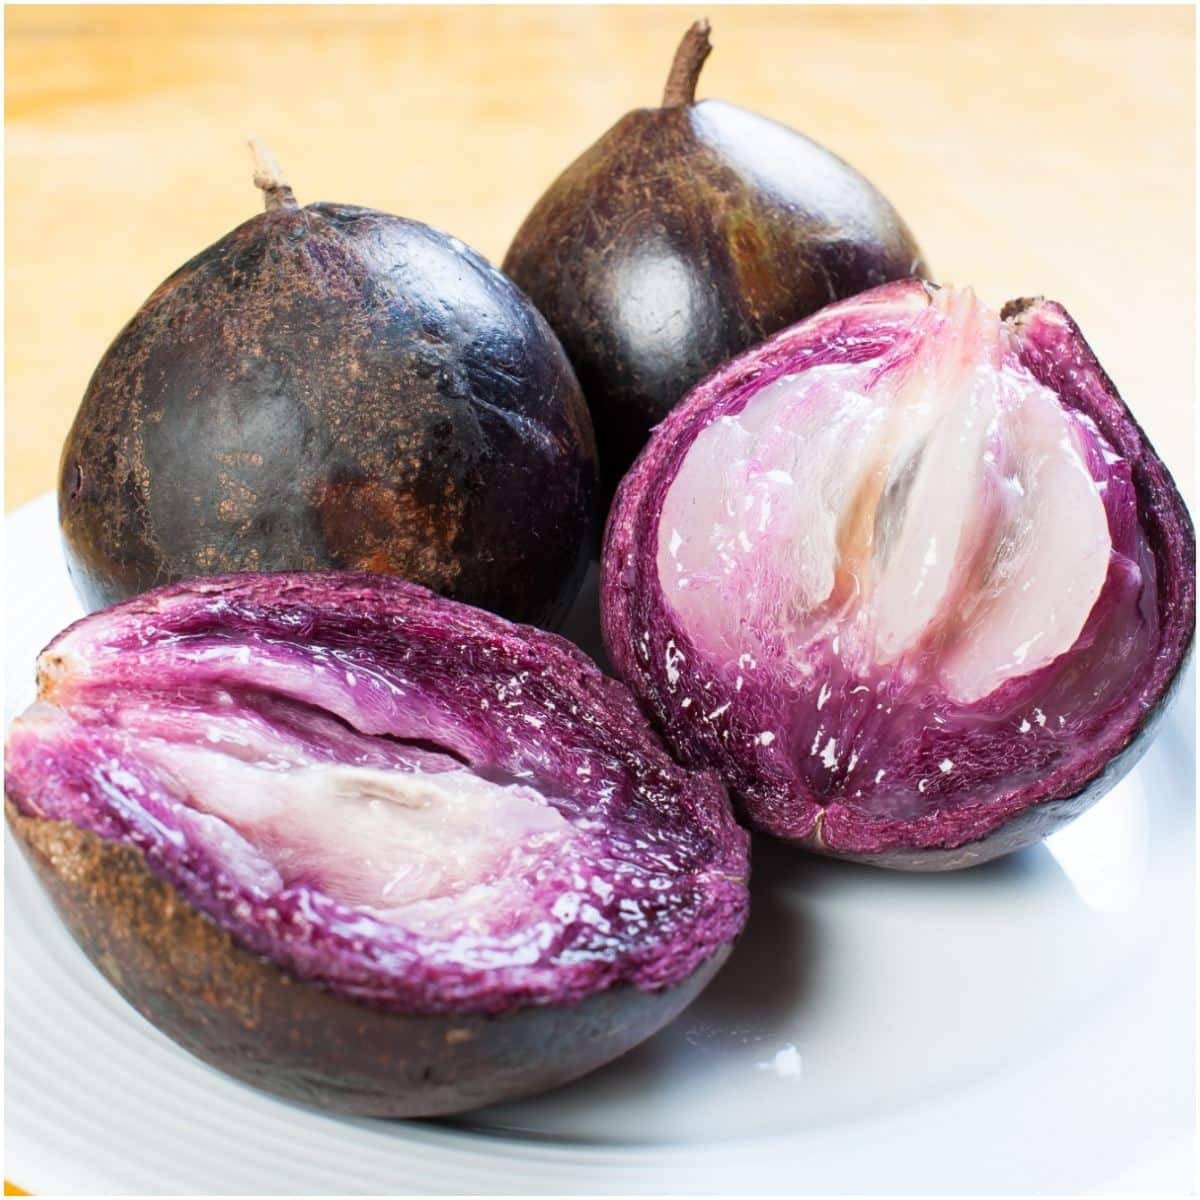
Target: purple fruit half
pixel 366 847
pixel 908 575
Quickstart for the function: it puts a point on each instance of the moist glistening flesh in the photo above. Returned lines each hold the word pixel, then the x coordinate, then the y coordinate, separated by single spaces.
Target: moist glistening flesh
pixel 368 847
pixel 908 575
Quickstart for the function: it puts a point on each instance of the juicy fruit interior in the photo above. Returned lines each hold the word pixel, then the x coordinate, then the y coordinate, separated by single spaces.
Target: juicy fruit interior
pixel 923 555
pixel 413 818
pixel 291 797
pixel 288 797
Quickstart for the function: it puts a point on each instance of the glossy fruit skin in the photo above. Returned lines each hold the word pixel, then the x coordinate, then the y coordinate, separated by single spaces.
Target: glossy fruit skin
pixel 244 1015
pixel 332 386
pixel 641 628
pixel 685 235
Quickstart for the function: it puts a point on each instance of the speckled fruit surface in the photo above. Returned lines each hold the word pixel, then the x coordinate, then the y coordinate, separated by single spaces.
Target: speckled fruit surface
pixel 332 386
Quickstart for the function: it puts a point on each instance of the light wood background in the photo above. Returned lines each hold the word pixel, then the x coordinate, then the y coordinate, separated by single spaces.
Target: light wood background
pixel 1032 150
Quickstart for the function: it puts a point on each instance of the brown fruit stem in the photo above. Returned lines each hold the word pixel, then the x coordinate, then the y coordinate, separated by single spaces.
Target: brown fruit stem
pixel 269 178
pixel 685 70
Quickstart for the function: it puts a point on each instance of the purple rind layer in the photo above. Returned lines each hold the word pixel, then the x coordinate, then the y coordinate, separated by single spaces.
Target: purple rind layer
pixel 399 661
pixel 642 630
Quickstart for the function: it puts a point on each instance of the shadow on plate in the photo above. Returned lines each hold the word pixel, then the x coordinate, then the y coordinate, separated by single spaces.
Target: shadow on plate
pixel 746 1029
pixel 749 1004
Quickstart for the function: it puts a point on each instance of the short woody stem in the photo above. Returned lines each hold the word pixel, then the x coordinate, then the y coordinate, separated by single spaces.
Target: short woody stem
pixel 685 70
pixel 269 179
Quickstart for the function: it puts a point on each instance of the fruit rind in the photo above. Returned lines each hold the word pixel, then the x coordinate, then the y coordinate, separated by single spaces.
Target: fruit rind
pixel 344 1007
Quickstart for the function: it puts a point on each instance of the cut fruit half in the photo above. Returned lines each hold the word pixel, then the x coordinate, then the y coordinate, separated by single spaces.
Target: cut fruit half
pixel 363 807
pixel 908 575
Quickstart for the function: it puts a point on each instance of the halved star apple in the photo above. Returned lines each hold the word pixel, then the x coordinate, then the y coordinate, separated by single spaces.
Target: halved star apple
pixel 909 575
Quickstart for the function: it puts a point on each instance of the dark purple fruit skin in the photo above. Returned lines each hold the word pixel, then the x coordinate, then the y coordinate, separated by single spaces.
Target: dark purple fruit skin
pixel 1056 353
pixel 244 1015
pixel 682 237
pixel 332 386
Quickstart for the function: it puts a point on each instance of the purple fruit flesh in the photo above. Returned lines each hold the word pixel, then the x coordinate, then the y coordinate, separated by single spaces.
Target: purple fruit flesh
pixel 400 806
pixel 909 575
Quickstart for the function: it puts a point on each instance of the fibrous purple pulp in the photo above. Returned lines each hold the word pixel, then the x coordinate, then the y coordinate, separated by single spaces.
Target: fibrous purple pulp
pixel 410 801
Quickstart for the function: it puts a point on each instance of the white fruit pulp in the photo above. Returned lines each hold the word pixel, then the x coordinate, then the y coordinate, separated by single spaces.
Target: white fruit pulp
pixel 412 846
pixel 931 513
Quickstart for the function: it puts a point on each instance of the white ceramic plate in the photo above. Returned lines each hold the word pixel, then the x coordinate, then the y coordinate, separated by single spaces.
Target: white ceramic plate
pixel 1023 1027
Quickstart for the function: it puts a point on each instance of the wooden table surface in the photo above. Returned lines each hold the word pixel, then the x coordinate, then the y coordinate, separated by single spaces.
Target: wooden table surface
pixel 1032 150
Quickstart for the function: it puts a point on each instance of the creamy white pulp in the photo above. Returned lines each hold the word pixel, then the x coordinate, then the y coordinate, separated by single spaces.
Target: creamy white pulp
pixel 933 515
pixel 434 851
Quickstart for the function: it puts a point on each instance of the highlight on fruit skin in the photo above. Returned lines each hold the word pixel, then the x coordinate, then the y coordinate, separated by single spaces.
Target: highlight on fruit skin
pixel 686 234
pixel 332 386
pixel 368 848
pixel 909 575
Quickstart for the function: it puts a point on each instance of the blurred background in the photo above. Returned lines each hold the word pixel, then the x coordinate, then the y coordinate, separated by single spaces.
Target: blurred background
pixel 1042 150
